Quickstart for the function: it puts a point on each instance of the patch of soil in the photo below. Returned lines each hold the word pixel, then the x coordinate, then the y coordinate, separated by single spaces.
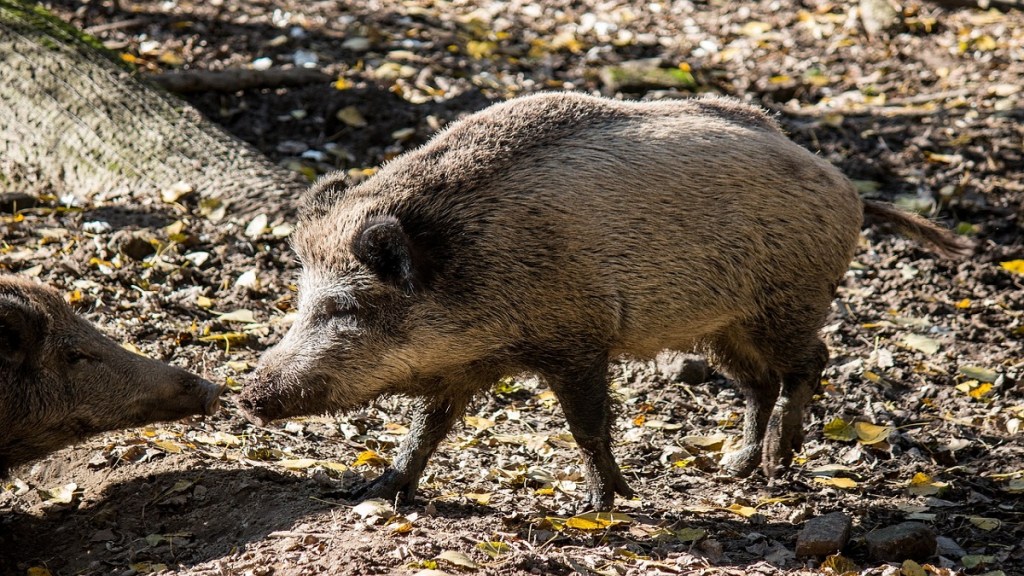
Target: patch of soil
pixel 928 115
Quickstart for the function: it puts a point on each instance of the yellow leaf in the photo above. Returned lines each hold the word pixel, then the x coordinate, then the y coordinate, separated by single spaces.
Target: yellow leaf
pixel 839 564
pixel 480 50
pixel 923 485
pixel 38 571
pixel 239 366
pixel 639 420
pixel 351 116
pixel 745 511
pixel 203 302
pixel 480 424
pixel 1015 266
pixel 985 43
pixel 839 429
pixel 370 458
pixel 597 520
pixel 342 84
pixel 168 446
pixel 493 548
pixel 400 525
pixel 481 498
pixel 755 28
pixel 980 391
pixel 986 524
pixel 869 433
pixel 297 463
pixel 965 303
pixel 219 439
pixel 844 483
pixel 911 568
pixel 227 338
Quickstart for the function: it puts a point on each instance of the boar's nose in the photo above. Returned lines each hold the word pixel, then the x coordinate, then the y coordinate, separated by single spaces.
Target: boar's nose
pixel 210 393
pixel 253 413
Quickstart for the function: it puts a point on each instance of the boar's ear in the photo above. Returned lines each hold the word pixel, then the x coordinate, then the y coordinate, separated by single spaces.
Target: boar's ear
pixel 384 247
pixel 323 195
pixel 21 328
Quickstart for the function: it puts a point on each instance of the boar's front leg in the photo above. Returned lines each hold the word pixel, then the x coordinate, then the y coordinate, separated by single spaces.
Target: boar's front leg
pixel 432 420
pixel 582 391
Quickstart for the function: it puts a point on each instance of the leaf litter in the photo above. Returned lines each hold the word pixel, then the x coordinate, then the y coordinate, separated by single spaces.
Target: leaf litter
pixel 919 401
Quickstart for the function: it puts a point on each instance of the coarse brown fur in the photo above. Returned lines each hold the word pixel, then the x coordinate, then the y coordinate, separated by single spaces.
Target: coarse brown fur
pixel 61 380
pixel 553 233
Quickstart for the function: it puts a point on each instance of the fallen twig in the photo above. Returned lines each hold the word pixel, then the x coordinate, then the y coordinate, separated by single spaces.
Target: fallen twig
pixel 235 79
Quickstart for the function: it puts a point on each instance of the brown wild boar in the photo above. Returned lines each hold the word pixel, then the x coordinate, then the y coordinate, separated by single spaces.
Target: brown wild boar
pixel 61 380
pixel 553 233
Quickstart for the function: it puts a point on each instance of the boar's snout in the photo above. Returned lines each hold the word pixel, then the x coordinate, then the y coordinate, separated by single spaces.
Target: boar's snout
pixel 184 394
pixel 210 394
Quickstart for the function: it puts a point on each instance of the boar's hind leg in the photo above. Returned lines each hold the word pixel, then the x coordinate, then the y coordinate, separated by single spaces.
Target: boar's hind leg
pixel 582 391
pixel 432 420
pixel 760 388
pixel 785 428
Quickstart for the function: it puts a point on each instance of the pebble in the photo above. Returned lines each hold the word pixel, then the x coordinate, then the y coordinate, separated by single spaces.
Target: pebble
pixel 823 535
pixel 897 543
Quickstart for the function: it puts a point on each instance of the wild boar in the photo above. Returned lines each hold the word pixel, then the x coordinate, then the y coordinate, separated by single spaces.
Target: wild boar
pixel 61 380
pixel 550 234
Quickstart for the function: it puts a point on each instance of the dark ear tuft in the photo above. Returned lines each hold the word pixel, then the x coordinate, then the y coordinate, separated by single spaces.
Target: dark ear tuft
pixel 383 246
pixel 322 195
pixel 21 330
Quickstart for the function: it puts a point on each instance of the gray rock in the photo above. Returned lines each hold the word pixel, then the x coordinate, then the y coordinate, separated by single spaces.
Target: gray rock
pixel 908 540
pixel 823 535
pixel 948 547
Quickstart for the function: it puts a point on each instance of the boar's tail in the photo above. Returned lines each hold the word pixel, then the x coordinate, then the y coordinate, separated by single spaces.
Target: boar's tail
pixel 940 239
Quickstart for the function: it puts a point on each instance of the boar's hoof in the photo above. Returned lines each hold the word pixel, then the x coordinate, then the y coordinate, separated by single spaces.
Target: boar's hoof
pixel 780 442
pixel 742 462
pixel 601 497
pixel 390 484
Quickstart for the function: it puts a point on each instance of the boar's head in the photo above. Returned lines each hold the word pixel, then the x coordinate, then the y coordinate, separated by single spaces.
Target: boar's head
pixel 62 380
pixel 373 315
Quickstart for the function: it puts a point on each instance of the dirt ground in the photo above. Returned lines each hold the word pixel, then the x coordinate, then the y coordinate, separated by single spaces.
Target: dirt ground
pixel 927 114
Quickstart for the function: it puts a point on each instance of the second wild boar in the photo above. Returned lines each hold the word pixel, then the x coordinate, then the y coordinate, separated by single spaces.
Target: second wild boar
pixel 61 380
pixel 551 234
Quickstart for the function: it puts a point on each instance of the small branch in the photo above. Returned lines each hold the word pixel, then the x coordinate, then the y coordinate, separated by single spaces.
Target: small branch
pixel 290 534
pixel 235 79
pixel 119 25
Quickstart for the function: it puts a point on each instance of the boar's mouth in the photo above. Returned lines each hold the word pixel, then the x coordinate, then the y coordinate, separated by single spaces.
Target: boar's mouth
pixel 192 395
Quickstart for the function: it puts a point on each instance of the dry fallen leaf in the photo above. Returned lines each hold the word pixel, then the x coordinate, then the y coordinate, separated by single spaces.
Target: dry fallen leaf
pixel 370 458
pixel 838 482
pixel 868 433
pixel 839 429
pixel 457 558
pixel 921 343
pixel 597 520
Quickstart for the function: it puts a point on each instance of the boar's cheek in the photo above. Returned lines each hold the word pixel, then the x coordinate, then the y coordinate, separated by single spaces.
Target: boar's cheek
pixel 22 328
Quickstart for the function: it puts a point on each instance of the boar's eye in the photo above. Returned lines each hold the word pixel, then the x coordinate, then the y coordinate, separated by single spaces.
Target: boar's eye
pixel 75 357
